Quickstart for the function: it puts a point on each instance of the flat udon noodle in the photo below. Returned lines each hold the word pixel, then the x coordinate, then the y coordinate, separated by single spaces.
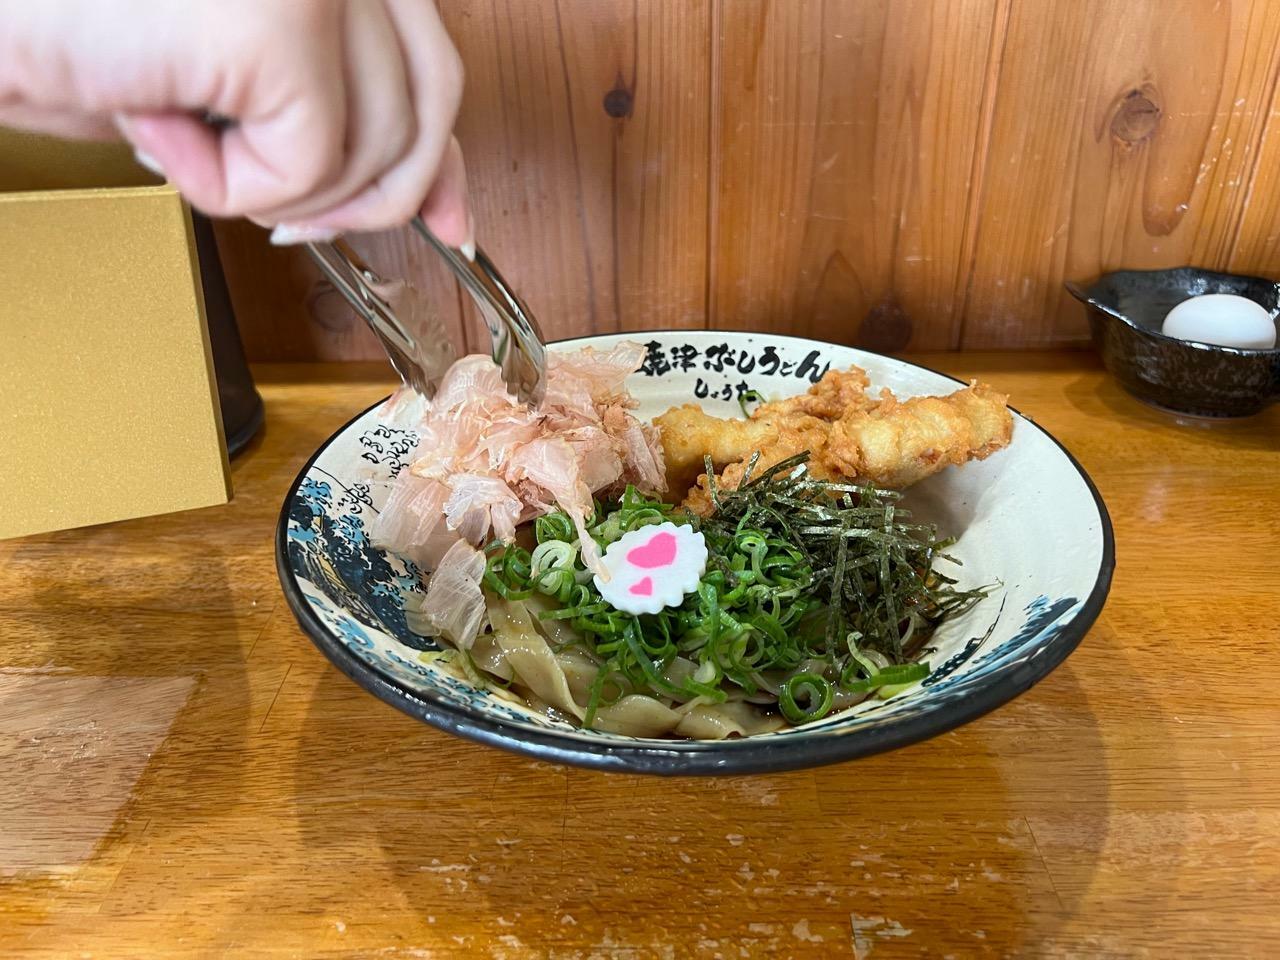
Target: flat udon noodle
pixel 485 652
pixel 529 655
pixel 637 715
pixel 518 651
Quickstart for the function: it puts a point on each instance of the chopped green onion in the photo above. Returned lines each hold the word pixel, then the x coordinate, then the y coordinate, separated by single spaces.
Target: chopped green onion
pixel 801 571
pixel 901 675
pixel 817 691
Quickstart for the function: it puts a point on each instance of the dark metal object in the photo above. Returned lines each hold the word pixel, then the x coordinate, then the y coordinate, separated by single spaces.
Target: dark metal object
pixel 242 412
pixel 1126 311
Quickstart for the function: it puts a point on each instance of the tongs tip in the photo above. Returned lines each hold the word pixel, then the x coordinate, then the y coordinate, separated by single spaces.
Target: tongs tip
pixel 517 342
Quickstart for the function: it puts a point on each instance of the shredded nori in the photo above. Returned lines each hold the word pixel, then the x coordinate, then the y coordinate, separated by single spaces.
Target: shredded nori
pixel 813 588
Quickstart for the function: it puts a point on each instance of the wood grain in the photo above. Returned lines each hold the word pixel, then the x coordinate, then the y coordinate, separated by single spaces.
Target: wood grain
pixel 848 135
pixel 1124 135
pixel 585 126
pixel 208 786
pixel 921 174
pixel 1257 246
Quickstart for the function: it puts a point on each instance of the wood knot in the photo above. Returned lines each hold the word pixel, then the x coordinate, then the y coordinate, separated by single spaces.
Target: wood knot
pixel 1136 116
pixel 618 101
pixel 886 328
pixel 328 308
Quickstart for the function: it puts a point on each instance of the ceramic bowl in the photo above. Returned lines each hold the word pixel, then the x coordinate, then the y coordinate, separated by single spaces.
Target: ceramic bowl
pixel 1027 518
pixel 1126 311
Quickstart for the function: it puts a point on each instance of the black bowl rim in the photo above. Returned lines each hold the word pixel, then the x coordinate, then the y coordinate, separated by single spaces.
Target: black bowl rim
pixel 699 758
pixel 1083 293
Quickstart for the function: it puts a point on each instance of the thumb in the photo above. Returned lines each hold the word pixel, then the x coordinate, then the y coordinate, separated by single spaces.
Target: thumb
pixel 183 149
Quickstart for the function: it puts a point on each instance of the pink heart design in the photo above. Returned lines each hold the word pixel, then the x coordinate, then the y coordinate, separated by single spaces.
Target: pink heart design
pixel 658 552
pixel 643 588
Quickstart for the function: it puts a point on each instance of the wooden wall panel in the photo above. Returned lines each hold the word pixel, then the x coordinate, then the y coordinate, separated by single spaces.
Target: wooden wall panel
pixel 1124 134
pixel 585 126
pixel 896 173
pixel 1257 246
pixel 848 137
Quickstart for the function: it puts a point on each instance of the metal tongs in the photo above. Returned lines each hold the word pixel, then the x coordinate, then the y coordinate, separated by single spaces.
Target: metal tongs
pixel 518 346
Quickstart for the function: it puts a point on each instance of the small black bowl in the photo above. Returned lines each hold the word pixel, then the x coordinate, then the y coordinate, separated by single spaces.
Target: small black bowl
pixel 1126 311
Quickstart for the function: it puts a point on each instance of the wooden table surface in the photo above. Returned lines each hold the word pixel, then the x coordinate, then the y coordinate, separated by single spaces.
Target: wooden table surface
pixel 184 775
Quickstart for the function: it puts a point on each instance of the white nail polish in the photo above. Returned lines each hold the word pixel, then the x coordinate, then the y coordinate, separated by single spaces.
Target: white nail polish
pixel 288 234
pixel 469 247
pixel 148 161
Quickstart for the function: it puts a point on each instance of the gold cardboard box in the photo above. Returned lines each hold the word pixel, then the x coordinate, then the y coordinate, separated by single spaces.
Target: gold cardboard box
pixel 108 400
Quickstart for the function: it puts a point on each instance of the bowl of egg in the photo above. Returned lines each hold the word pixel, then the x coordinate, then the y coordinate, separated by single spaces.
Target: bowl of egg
pixel 1192 341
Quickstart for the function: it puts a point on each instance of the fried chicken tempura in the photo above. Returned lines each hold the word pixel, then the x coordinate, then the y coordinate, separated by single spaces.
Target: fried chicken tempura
pixel 899 443
pixel 689 436
pixel 838 393
pixel 847 433
pixel 777 430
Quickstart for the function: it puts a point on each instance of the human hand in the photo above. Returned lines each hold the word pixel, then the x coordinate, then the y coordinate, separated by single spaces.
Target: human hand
pixel 341 110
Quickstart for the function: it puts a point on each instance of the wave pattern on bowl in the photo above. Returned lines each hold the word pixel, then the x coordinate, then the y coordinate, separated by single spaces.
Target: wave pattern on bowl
pixel 349 595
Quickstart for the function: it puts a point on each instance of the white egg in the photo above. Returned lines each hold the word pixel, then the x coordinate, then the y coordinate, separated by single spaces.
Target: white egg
pixel 1223 319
